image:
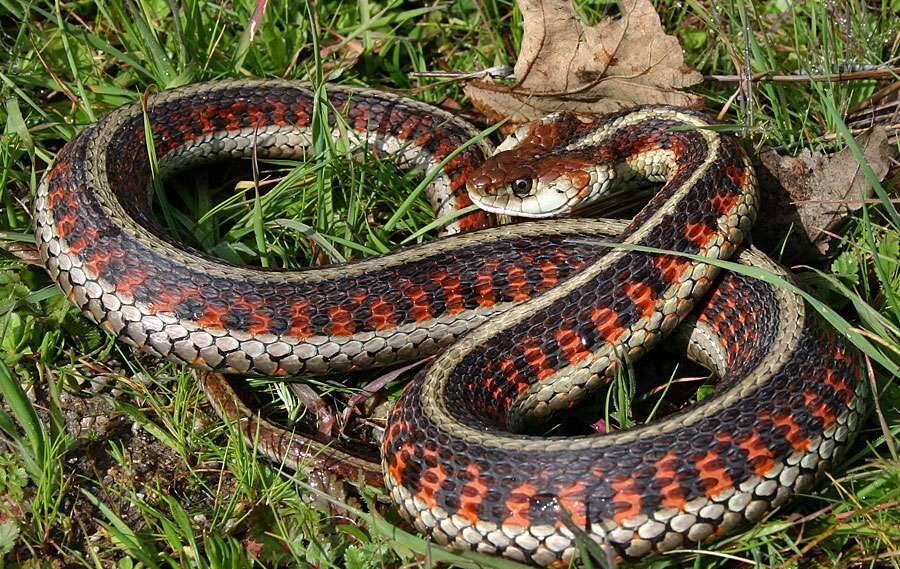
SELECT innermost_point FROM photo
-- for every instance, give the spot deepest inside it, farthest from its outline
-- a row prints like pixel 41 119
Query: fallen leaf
pixel 566 65
pixel 804 198
pixel 340 55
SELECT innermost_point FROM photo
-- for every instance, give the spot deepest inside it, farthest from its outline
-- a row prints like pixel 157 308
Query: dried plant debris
pixel 566 65
pixel 882 108
pixel 805 197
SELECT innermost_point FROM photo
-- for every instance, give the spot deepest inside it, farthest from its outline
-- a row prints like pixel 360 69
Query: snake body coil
pixel 534 315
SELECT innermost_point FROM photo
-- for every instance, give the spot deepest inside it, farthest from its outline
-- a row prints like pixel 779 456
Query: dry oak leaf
pixel 565 65
pixel 806 197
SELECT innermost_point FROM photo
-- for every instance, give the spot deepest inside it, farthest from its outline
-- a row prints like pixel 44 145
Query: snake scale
pixel 526 319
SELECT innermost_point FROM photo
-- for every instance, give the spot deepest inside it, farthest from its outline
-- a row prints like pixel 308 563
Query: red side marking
pixel 300 324
pixel 259 323
pixel 421 307
pixel 723 202
pixel 627 501
pixel 233 115
pixel 430 483
pixel 517 283
pixel 642 295
pixel 699 233
pixel 278 114
pixel 448 144
pixel 131 280
pixel 645 143
pixel 79 244
pixel 258 119
pixel 842 355
pixel 737 175
pixel 341 321
pixel 484 285
pixel 394 429
pixel 758 454
pixel 203 117
pixel 711 470
pixel 302 112
pixel 572 345
pixel 671 267
pixel 57 169
pixel 397 463
pixel 511 374
pixel 430 455
pixel 408 127
pixel 572 498
pixel 361 122
pixel 169 299
pixel 457 185
pixel 485 288
pixel 818 408
pixel 472 494
pixel 167 140
pixel 795 434
pixel 99 259
pixel 518 504
pixel 678 148
pixel 549 275
pixel 184 129
pixel 452 290
pixel 165 302
pixel 57 192
pixel 54 194
pixel 666 476
pixel 423 139
pixel 607 322
pixel 382 315
pixel 537 359
pixel 65 224
pixel 89 236
pixel 474 220
pixel 839 384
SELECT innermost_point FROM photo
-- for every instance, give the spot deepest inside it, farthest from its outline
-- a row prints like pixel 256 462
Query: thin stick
pixel 803 77
pixel 882 422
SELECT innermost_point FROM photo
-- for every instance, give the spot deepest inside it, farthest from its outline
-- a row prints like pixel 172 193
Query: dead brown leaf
pixel 341 55
pixel 565 65
pixel 805 197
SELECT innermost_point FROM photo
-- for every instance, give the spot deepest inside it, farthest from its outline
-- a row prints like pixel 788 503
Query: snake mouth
pixel 534 206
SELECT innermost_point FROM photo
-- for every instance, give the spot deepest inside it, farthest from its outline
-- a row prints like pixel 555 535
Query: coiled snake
pixel 526 318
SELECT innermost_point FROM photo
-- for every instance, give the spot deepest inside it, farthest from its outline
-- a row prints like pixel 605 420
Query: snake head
pixel 533 174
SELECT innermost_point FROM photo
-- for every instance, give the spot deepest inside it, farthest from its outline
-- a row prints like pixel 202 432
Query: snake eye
pixel 521 187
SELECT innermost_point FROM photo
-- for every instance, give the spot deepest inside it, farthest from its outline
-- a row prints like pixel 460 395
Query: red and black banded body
pixel 530 317
pixel 654 488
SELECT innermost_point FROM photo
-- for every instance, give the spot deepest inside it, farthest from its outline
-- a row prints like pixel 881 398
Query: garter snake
pixel 526 319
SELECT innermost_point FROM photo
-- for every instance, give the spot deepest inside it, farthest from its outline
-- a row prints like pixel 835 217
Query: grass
pixel 154 480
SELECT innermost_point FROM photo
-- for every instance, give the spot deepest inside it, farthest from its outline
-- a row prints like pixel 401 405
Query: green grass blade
pixel 121 532
pixel 407 203
pixel 24 412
